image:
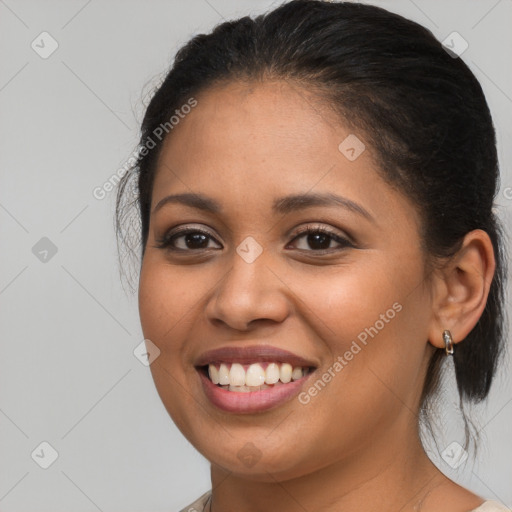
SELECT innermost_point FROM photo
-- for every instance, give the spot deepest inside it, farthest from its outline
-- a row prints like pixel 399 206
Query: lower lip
pixel 253 401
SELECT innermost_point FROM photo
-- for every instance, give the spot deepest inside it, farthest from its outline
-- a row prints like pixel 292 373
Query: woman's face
pixel 353 303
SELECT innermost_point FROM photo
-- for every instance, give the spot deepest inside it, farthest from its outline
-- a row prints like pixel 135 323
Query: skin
pixel 356 442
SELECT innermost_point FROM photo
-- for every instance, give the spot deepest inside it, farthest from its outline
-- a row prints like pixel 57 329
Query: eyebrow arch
pixel 295 202
pixel 197 201
pixel 282 205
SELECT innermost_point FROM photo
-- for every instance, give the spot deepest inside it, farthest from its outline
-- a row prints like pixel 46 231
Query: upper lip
pixel 251 354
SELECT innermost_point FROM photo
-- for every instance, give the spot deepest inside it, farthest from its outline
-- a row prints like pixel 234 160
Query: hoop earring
pixel 448 342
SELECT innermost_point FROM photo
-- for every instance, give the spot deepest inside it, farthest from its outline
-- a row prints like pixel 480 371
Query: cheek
pixel 373 320
pixel 347 301
pixel 166 300
pixel 167 297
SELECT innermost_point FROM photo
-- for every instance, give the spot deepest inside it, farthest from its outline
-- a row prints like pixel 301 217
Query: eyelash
pixel 166 241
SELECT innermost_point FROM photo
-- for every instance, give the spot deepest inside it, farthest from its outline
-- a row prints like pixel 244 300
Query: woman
pixel 315 189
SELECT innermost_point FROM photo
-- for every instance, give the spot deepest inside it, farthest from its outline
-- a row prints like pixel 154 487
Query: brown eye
pixel 192 240
pixel 320 239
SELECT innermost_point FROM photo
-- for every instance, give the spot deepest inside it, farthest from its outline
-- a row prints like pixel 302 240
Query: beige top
pixel 486 506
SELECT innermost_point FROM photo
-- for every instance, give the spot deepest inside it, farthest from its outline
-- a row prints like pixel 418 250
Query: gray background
pixel 68 374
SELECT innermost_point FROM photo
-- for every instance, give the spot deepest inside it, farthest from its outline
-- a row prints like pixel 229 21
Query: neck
pixel 394 475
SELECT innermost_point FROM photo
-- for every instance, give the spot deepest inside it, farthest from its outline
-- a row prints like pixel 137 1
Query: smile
pixel 248 399
pixel 252 378
pixel 237 377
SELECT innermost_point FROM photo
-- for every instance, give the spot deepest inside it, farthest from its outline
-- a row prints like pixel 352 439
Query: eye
pixel 320 238
pixel 192 239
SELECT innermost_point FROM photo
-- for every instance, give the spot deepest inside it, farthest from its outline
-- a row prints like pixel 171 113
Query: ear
pixel 461 288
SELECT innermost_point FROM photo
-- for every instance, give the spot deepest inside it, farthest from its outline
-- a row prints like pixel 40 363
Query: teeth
pixel 240 389
pixel 236 378
pixel 213 373
pixel 246 389
pixel 237 375
pixel 285 375
pixel 297 373
pixel 255 375
pixel 272 373
pixel 223 374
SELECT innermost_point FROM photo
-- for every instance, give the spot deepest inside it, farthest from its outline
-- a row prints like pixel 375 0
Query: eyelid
pixel 343 240
pixel 317 226
pixel 164 241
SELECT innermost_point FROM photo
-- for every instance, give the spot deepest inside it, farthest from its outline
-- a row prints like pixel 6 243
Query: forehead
pixel 252 142
pixel 256 119
pixel 255 128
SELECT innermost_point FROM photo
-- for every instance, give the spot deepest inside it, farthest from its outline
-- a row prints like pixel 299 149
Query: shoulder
pixel 491 506
pixel 449 495
pixel 199 504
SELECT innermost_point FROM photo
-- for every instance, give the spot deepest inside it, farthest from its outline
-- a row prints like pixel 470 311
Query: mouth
pixel 252 379
pixel 249 378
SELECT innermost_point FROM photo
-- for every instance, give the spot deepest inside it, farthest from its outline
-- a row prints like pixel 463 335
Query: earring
pixel 448 341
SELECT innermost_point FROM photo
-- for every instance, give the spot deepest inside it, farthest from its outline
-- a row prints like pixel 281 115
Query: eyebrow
pixel 282 205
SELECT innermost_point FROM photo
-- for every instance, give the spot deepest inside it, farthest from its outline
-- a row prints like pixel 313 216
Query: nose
pixel 249 294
